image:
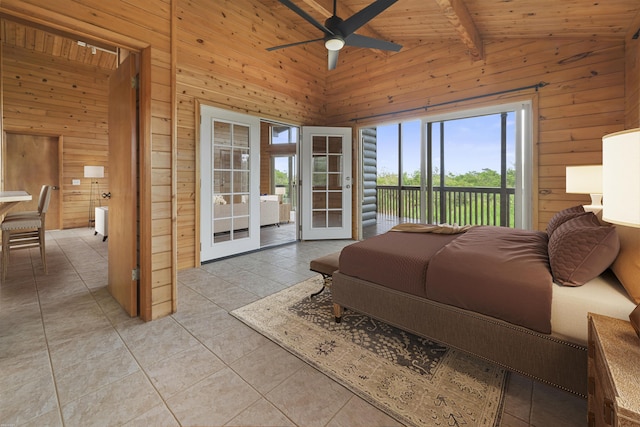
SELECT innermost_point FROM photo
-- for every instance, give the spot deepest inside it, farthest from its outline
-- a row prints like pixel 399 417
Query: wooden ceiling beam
pixel 323 7
pixel 458 15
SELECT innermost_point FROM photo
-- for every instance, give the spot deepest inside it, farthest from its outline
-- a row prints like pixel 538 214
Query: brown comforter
pixel 496 271
pixel 395 260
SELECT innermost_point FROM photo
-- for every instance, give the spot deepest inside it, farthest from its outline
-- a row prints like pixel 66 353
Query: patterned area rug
pixel 414 380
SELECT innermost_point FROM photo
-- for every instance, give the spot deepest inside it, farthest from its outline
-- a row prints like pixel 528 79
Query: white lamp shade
pixel 94 171
pixel 584 179
pixel 621 178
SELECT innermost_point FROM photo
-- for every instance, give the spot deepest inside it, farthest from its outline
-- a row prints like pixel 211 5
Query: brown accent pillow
pixel 581 249
pixel 627 264
pixel 563 216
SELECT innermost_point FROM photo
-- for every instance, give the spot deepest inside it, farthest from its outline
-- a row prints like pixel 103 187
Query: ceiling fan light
pixel 334 43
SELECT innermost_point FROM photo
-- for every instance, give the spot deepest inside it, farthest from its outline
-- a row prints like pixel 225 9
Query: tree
pixel 484 178
pixel 280 177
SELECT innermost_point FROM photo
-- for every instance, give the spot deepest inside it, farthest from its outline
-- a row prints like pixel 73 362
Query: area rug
pixel 412 379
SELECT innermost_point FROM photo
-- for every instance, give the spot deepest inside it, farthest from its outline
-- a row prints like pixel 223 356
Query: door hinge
pixel 134 82
pixel 135 274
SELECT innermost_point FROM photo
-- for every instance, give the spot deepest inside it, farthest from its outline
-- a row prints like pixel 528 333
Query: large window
pixel 470 167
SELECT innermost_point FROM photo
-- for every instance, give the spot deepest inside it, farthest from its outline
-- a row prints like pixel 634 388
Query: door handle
pixel 106 195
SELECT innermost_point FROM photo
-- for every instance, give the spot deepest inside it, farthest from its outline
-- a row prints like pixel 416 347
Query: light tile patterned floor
pixel 70 356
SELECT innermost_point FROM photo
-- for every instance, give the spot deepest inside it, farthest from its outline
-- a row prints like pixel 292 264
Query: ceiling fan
pixel 339 32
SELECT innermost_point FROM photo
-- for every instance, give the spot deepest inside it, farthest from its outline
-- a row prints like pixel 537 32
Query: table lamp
pixel 586 180
pixel 621 186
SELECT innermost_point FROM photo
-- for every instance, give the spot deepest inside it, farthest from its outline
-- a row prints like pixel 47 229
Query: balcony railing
pixel 453 205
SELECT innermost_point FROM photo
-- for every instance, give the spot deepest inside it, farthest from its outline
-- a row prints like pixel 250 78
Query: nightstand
pixel 614 373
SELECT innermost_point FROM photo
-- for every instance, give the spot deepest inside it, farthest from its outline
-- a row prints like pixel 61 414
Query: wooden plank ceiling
pixel 470 22
pixel 407 22
pixel 57 44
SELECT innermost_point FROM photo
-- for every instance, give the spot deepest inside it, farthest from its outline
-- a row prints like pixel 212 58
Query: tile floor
pixel 70 356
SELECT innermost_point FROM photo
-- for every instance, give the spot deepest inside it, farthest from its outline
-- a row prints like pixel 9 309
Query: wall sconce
pixel 586 180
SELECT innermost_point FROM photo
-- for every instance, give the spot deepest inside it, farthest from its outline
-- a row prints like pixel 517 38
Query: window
pixel 473 170
pixel 467 167
pixel 284 135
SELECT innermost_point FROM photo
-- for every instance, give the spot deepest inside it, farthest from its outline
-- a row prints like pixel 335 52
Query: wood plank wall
pixel 223 66
pixel 137 25
pixel 265 158
pixel 583 101
pixel 48 95
pixel 632 81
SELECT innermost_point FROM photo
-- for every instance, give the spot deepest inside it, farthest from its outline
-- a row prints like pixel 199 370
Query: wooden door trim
pixel 144 175
pixel 197 258
pixel 60 183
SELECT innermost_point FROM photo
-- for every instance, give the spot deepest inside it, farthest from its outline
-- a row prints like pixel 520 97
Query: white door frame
pixel 209 249
pixel 308 230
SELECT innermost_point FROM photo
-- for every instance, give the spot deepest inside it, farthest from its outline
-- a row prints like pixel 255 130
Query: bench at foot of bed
pixel 325 265
pixel 337 312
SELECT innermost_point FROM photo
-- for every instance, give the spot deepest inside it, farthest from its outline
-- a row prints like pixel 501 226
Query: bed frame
pixel 545 358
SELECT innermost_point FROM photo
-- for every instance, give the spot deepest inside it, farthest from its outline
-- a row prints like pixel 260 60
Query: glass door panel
pixel 231 210
pixel 327 183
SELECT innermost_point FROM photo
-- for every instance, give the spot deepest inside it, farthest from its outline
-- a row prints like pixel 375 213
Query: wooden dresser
pixel 614 373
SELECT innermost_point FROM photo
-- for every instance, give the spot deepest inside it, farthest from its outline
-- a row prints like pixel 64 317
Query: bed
pixel 514 297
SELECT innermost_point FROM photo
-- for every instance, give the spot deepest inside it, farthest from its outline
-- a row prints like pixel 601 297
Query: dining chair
pixel 41 199
pixel 25 231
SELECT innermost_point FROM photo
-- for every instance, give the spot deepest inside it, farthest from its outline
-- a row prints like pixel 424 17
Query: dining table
pixel 8 199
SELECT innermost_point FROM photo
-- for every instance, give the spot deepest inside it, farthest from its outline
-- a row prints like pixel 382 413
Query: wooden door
pixel 123 213
pixel 31 161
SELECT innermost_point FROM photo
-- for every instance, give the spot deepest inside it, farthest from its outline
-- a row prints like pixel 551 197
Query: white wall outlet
pixel 75 182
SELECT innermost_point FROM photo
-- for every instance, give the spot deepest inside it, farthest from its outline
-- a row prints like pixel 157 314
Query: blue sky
pixel 471 144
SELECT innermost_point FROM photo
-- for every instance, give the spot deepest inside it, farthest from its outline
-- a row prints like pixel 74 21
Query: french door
pixel 326 183
pixel 229 167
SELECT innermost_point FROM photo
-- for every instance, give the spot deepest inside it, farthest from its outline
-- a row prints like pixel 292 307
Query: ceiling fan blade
pixel 357 40
pixel 307 17
pixel 293 44
pixel 332 59
pixel 356 21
